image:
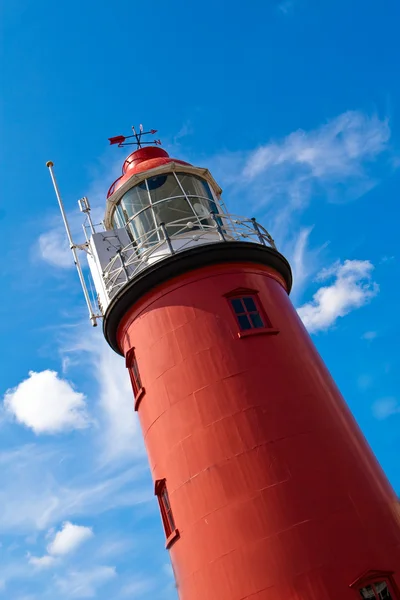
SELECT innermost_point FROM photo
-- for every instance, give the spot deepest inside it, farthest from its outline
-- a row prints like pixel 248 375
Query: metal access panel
pixel 105 263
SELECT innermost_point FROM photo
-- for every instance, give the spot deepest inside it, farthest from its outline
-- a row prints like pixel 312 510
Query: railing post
pixel 167 238
pixel 258 232
pixel 123 264
pixel 219 229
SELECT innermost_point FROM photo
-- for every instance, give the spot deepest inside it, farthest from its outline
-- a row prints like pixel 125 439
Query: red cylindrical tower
pixel 266 486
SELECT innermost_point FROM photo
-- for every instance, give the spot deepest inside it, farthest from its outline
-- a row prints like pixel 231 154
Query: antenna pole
pixel 72 246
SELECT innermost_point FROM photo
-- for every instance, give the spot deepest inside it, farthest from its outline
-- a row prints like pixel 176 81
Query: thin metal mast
pixel 92 316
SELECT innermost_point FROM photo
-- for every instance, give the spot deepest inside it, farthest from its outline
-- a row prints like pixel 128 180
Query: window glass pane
pixel 117 221
pixel 195 186
pixel 256 320
pixel 174 210
pixel 166 511
pixel 165 499
pixel 141 226
pixel 200 197
pixel 367 592
pixel 244 322
pixel 250 304
pixel 203 208
pixel 237 305
pixel 163 186
pixel 120 217
pixel 136 374
pixel 171 522
pixel 382 590
pixel 134 200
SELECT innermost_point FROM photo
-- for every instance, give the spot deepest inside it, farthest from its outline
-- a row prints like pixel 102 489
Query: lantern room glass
pixel 174 199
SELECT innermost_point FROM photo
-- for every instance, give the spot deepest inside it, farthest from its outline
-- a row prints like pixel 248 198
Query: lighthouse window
pixel 165 507
pixel 134 374
pixel 248 313
pixel 376 591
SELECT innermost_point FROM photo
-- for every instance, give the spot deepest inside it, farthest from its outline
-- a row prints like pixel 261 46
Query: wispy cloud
pixel 41 562
pixel 365 381
pixel 115 546
pixel 386 407
pixel 54 248
pixel 47 404
pixel 286 7
pixel 43 494
pixel 369 335
pixel 330 160
pixel 120 431
pixel 136 588
pixel 85 583
pixel 351 288
pixel 184 131
pixel 333 151
pixel 301 259
pixel 334 162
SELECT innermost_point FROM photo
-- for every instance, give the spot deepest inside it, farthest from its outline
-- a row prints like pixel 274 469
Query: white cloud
pixel 69 538
pixel 65 541
pixel 47 404
pixel 84 584
pixel 386 407
pixel 352 287
pixel 41 562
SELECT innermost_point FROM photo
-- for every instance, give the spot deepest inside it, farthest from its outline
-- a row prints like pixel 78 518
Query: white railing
pixel 177 236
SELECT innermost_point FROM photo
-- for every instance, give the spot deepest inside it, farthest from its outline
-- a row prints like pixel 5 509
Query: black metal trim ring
pixel 181 262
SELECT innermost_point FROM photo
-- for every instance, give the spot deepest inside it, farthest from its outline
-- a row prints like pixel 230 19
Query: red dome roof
pixel 142 160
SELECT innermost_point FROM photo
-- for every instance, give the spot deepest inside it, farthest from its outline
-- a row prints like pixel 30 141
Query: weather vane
pixel 121 139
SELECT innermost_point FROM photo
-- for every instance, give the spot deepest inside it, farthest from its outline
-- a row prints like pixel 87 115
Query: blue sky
pixel 293 106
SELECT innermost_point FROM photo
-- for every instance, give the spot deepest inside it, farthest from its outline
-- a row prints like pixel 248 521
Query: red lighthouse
pixel 266 486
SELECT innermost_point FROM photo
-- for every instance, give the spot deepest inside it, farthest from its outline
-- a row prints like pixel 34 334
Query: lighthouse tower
pixel 266 486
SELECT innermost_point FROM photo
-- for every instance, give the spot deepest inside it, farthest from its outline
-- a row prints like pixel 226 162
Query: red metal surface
pixel 142 160
pixel 274 490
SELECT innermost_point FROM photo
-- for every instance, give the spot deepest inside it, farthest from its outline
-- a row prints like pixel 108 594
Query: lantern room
pixel 158 207
pixel 173 198
pixel 155 189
